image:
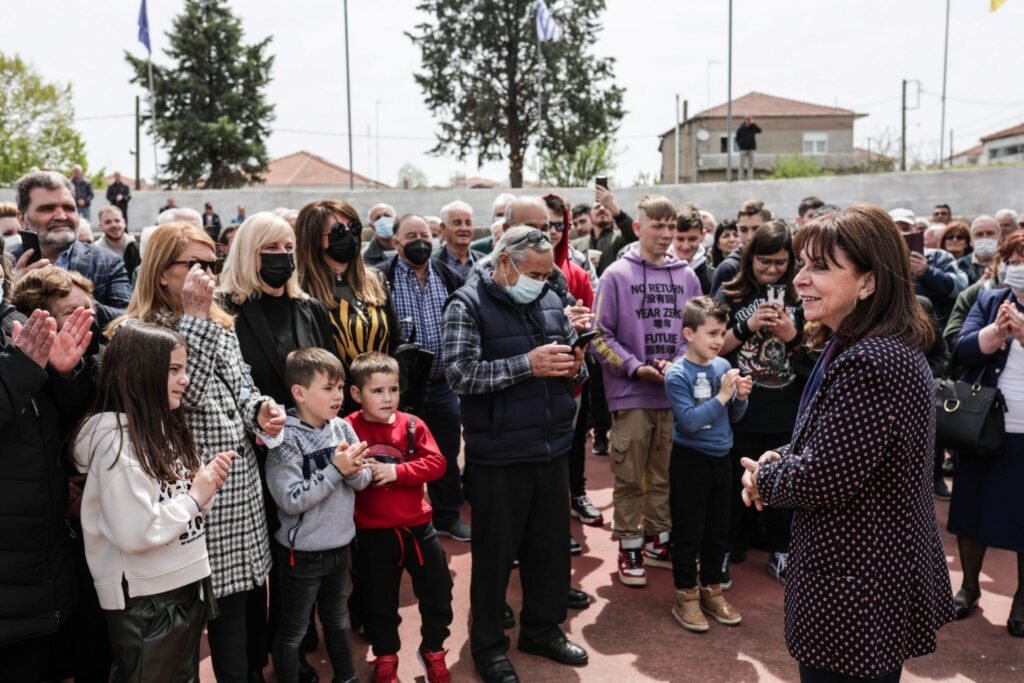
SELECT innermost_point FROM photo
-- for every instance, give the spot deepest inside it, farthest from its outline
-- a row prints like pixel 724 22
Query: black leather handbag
pixel 969 417
pixel 414 363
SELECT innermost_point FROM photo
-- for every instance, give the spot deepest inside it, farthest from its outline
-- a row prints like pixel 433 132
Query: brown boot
pixel 687 611
pixel 714 603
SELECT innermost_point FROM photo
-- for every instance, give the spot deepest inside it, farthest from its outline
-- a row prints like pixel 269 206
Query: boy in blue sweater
pixel 706 396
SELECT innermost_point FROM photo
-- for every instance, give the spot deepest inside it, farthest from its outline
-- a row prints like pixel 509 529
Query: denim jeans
pixel 320 577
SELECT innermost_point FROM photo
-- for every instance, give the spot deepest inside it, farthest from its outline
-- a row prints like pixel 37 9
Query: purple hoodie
pixel 639 311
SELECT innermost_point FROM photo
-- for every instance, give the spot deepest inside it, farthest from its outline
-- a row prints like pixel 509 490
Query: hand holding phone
pixel 584 339
pixel 30 240
pixel 601 181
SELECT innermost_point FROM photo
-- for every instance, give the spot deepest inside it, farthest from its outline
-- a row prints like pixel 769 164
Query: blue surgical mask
pixel 526 289
pixel 385 227
pixel 12 242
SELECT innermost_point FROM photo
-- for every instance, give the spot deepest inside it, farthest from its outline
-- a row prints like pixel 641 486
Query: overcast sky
pixel 850 53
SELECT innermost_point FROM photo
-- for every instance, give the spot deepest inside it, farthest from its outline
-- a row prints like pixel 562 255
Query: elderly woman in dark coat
pixel 868 586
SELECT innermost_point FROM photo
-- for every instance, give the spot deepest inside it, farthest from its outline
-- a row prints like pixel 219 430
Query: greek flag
pixel 144 28
pixel 547 29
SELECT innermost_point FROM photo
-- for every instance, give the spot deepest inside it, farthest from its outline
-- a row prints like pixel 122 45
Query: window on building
pixel 815 143
pixel 1008 150
pixel 723 142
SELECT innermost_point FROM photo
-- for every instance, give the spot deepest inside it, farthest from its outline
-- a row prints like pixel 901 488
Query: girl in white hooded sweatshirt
pixel 143 507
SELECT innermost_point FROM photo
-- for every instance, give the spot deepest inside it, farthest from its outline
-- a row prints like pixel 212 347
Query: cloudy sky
pixel 850 53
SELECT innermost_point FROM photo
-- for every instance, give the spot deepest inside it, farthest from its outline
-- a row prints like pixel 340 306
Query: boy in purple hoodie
pixel 639 311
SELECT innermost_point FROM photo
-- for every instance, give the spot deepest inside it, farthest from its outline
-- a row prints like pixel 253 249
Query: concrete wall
pixel 968 191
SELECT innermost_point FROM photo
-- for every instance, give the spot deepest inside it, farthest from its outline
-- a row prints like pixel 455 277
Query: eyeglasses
pixel 958 238
pixel 770 262
pixel 214 266
pixel 557 225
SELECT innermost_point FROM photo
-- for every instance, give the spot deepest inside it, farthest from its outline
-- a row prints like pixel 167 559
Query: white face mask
pixel 1014 279
pixel 12 242
pixel 985 248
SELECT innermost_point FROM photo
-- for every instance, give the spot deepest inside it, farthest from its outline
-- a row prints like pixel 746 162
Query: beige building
pixel 789 127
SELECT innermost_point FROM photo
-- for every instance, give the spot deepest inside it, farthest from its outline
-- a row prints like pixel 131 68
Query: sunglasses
pixel 354 227
pixel 214 266
pixel 534 237
pixel 557 225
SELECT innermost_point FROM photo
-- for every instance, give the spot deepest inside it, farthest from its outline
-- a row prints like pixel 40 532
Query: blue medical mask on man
pixel 384 227
pixel 526 289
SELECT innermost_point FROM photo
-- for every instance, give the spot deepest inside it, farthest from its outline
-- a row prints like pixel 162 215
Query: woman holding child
pixel 867 586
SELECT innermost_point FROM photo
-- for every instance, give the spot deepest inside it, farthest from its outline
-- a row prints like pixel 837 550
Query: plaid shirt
pixel 453 262
pixel 419 309
pixel 112 289
pixel 466 373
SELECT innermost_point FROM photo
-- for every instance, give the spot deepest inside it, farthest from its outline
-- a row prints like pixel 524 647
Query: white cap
pixel 903 216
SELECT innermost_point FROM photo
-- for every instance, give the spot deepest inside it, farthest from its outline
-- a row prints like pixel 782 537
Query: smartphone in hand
pixel 584 339
pixel 776 295
pixel 30 240
pixel 601 181
pixel 915 242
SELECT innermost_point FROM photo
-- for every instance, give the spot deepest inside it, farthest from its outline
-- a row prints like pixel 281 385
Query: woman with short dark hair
pixel 868 586
pixel 956 239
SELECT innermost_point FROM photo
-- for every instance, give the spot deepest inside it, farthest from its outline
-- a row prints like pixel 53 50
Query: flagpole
pixel 945 63
pixel 152 111
pixel 348 98
pixel 728 116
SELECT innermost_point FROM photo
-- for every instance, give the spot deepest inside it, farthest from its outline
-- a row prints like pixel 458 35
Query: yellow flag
pixel 996 4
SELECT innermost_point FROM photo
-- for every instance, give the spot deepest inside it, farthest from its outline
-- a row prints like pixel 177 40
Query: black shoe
pixel 561 650
pixel 574 546
pixel 457 530
pixel 963 602
pixel 498 670
pixel 1015 624
pixel 307 674
pixel 941 489
pixel 577 599
pixel 508 617
pixel 600 446
pixel 737 555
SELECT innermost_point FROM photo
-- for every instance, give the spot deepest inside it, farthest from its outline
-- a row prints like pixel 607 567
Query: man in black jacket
pixel 44 391
pixel 746 140
pixel 606 216
pixel 119 194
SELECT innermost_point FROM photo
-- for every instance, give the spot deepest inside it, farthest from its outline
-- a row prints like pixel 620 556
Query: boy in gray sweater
pixel 314 468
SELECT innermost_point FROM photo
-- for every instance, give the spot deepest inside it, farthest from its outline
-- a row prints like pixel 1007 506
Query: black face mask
pixel 276 269
pixel 342 242
pixel 418 252
pixel 97 339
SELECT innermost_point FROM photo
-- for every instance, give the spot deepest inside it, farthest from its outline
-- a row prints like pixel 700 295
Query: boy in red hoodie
pixel 393 529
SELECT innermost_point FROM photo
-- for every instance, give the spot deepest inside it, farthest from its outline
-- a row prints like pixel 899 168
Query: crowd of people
pixel 255 427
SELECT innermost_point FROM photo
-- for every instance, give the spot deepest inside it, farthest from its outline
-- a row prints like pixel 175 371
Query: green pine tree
pixel 483 78
pixel 36 123
pixel 212 114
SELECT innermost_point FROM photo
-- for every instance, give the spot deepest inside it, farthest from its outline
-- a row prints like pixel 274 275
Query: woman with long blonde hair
pixel 175 288
pixel 331 269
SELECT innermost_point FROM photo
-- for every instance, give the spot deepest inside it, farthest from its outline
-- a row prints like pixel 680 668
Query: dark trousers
pixel 383 554
pixel 600 418
pixel 577 452
pixel 316 577
pixel 811 675
pixel 156 637
pixel 237 635
pixel 699 491
pixel 440 412
pixel 747 524
pixel 26 660
pixel 518 511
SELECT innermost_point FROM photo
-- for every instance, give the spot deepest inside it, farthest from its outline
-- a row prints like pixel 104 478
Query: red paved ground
pixel 631 636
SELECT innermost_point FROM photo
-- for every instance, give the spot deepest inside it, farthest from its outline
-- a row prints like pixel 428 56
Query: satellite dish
pixel 703 135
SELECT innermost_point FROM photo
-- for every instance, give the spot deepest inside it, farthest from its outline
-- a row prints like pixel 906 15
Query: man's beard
pixel 57 237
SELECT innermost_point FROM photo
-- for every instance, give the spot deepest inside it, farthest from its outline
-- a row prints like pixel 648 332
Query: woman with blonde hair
pixel 331 270
pixel 175 289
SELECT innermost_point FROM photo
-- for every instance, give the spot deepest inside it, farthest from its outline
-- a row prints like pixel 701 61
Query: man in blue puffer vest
pixel 508 353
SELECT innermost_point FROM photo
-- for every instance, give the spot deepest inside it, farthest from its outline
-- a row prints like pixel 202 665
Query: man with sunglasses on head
pixel 46 206
pixel 508 351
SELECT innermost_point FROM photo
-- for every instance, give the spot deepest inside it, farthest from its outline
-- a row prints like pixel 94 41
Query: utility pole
pixel 728 115
pixel 138 159
pixel 686 117
pixel 903 128
pixel 950 146
pixel 675 138
pixel 348 97
pixel 945 64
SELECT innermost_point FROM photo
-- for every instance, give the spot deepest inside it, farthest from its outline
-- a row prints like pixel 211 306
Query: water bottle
pixel 702 388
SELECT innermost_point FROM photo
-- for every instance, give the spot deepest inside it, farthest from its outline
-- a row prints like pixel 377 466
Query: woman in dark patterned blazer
pixel 868 586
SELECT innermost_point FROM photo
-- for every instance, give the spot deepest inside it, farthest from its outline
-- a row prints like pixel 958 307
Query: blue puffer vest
pixel 531 421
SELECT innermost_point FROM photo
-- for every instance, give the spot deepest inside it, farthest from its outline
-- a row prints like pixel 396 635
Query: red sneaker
pixel 385 669
pixel 433 664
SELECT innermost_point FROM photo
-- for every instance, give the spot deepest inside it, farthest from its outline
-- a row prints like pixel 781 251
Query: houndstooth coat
pixel 223 403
